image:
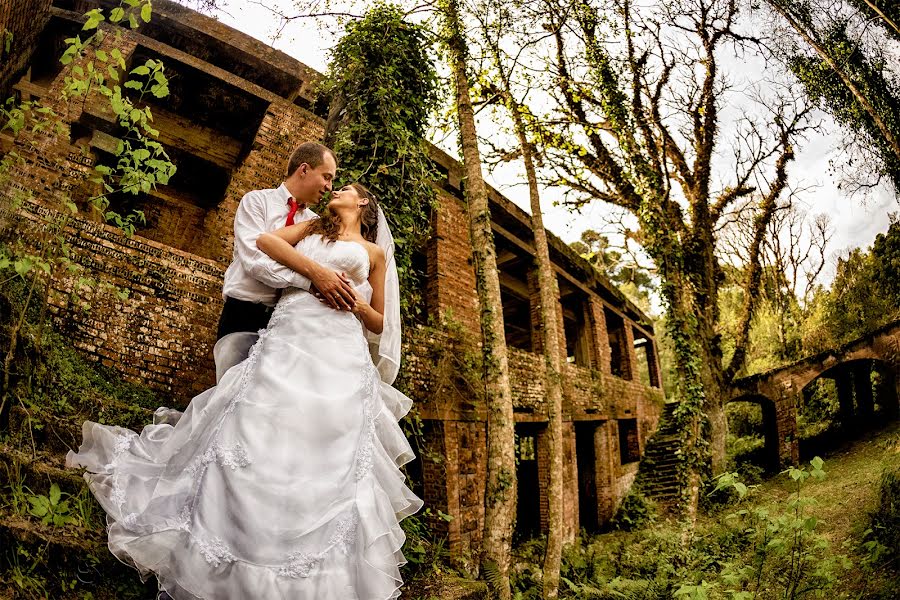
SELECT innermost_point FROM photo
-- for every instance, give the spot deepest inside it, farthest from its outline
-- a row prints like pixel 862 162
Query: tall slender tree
pixel 500 493
pixel 494 20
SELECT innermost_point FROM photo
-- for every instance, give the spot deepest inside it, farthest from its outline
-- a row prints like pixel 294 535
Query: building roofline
pixel 561 253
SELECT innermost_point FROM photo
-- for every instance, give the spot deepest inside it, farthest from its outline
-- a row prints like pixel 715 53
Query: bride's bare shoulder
pixel 376 253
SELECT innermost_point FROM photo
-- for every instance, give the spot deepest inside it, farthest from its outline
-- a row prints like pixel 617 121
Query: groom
pixel 253 280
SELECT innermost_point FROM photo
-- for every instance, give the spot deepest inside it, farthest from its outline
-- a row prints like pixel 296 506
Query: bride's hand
pixel 359 306
pixel 333 288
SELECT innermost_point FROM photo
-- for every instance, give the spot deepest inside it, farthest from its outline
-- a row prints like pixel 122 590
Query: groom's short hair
pixel 311 153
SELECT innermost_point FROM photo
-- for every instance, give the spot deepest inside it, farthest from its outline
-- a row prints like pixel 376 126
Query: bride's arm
pixel 279 245
pixel 372 313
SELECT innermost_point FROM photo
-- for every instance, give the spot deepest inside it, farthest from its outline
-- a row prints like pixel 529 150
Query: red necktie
pixel 290 218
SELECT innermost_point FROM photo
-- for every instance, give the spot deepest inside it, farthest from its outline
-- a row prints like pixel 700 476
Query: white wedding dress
pixel 282 481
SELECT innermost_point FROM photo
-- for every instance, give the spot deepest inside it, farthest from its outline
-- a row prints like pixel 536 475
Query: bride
pixel 282 481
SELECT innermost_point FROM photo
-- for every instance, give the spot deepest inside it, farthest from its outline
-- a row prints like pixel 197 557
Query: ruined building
pixel 236 110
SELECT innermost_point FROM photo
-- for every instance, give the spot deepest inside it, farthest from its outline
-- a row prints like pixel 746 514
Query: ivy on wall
pixel 381 87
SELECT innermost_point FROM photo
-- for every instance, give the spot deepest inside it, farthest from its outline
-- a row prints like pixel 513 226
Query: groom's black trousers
pixel 240 315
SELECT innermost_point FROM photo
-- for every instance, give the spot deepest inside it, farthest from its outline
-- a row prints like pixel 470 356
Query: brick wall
pixel 283 128
pixel 454 283
pixel 161 334
pixel 24 20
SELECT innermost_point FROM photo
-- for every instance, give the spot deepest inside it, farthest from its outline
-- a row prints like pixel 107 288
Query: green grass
pixel 850 490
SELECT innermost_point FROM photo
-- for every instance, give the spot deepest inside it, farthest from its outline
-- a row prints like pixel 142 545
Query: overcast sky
pixel 856 223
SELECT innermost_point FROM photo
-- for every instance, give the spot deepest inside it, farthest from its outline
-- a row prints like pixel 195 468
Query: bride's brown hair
pixel 328 224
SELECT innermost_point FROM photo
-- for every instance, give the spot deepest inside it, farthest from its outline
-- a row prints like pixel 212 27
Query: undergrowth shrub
pixel 636 511
pixel 884 521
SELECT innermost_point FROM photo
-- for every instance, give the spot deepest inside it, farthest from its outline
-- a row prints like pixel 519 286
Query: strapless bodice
pixel 342 256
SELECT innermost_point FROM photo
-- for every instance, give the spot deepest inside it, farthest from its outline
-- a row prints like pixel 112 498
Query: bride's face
pixel 345 198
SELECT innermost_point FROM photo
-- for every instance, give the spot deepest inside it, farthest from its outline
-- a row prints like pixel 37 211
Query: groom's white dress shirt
pixel 253 276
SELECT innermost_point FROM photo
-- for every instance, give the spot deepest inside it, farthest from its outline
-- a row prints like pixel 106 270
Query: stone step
pixel 37 473
pixel 66 563
pixel 55 434
pixel 661 453
pixel 661 483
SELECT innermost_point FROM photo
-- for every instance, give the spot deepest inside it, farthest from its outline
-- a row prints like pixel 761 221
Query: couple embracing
pixel 283 480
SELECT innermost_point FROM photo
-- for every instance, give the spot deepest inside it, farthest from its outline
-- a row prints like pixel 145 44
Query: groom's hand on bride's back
pixel 333 289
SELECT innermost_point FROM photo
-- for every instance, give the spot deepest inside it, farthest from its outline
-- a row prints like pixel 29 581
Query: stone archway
pixel 866 392
pixel 866 371
pixel 771 456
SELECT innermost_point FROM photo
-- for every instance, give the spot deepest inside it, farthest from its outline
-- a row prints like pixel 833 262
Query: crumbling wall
pixel 21 22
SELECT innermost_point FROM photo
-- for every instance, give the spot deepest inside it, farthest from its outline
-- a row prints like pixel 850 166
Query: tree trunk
pixel 500 492
pixel 549 291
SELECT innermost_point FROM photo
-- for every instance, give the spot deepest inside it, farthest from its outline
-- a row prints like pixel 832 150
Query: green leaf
pixel 102 56
pixel 141 70
pixel 146 12
pixel 23 266
pixel 55 494
pixel 133 85
pixel 817 463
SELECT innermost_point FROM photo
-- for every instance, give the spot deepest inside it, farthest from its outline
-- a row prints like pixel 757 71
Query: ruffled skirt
pixel 283 481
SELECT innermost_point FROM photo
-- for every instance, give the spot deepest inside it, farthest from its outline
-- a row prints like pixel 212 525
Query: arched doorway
pixel 844 401
pixel 753 431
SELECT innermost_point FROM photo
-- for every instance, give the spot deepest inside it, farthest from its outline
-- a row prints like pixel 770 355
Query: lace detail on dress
pixel 215 552
pixel 345 535
pixel 233 457
pixel 184 519
pixel 365 455
pixel 301 564
pixel 122 445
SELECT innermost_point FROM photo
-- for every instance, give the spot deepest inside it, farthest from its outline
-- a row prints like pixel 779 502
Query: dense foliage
pixel 842 61
pixel 381 88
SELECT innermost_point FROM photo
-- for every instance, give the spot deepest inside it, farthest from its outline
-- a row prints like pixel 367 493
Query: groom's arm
pixel 249 224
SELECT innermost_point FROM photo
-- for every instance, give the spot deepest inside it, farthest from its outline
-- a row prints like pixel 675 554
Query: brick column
pixel 570 484
pixel 434 473
pixel 454 281
pixel 471 444
pixel 862 384
pixel 786 419
pixel 596 322
pixel 629 354
pixel 604 450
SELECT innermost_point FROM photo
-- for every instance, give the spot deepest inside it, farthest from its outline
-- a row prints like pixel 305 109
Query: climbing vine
pixel 381 87
pixel 96 70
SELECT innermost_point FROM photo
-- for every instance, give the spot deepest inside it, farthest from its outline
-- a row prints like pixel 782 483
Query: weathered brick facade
pixel 237 109
pixel 21 22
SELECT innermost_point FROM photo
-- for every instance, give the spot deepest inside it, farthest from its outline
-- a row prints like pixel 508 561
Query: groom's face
pixel 316 182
